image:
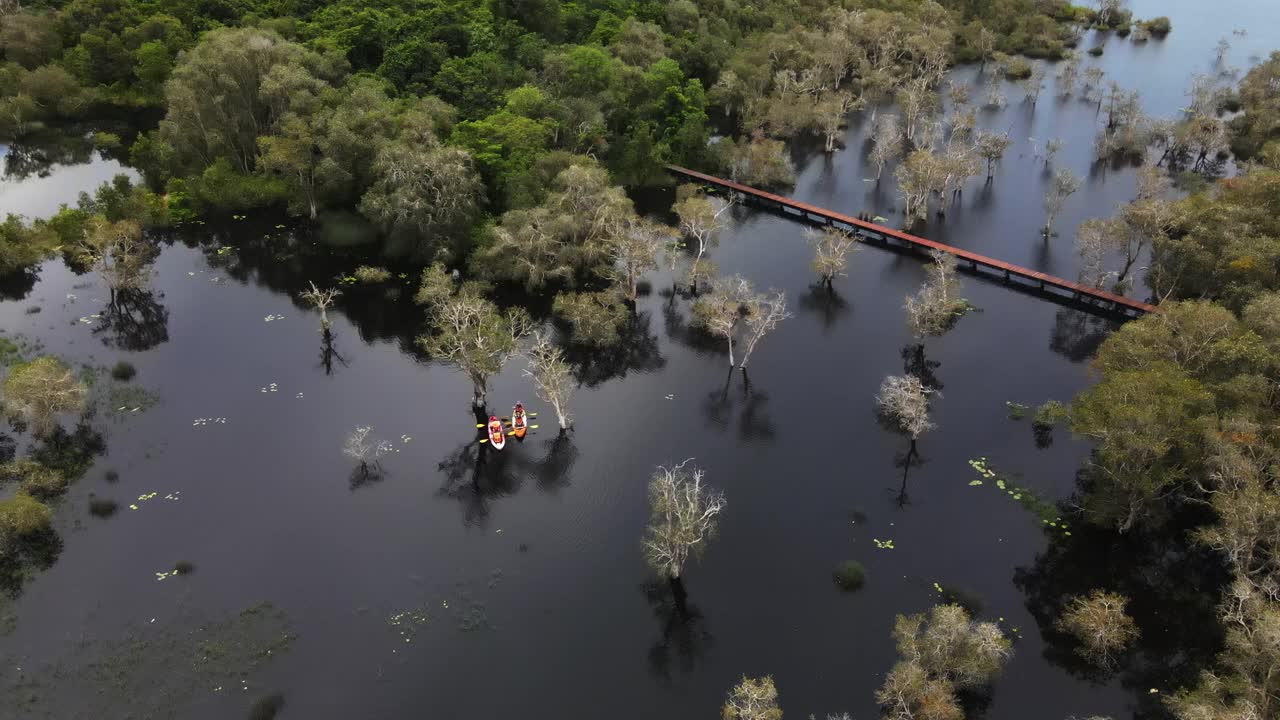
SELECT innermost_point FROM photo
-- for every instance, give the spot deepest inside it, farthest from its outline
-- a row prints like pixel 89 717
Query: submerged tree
pixel 321 300
pixel 469 331
pixel 1064 184
pixel 596 318
pixel 831 250
pixel 118 252
pixel 552 376
pixel 752 699
pixel 38 390
pixel 634 253
pixel 1100 624
pixel 904 400
pixel 764 312
pixel 365 449
pixel 682 517
pixel 991 147
pixel 937 306
pixel 942 653
pixel 701 219
pixel 720 311
pixel 886 143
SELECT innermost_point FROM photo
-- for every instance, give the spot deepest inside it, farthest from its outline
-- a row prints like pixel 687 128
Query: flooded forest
pixel 367 359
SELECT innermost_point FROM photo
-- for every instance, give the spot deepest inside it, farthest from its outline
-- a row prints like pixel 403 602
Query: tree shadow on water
pixel 1078 334
pixel 916 364
pixel 635 351
pixel 684 639
pixel 826 304
pixel 1173 595
pixel 134 320
pixel 750 408
pixel 328 353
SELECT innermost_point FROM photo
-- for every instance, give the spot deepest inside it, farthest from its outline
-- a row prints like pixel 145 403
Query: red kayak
pixel 519 425
pixel 497 437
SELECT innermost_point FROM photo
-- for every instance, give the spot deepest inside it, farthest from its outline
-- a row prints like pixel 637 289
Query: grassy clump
pixel 849 575
pixel 1158 26
pixel 370 275
pixel 22 516
pixel 123 371
pixel 1049 414
pixel 1095 51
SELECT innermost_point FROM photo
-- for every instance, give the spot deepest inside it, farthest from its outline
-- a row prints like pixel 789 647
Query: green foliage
pixel 1260 97
pixel 22 516
pixel 1158 26
pixel 1049 414
pixel 370 275
pixel 849 575
pixel 1224 245
pixel 34 479
pixel 595 318
pixel 22 245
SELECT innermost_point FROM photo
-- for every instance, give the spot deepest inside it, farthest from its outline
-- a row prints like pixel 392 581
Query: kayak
pixel 497 437
pixel 519 425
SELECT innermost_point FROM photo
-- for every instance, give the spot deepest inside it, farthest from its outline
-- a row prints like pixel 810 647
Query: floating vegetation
pixel 1046 511
pixel 1017 411
pixel 272 318
pixel 130 399
pixel 148 497
pixel 270 388
pixel 17 349
pixel 156 671
pixel 407 623
pixel 883 544
pixel 199 422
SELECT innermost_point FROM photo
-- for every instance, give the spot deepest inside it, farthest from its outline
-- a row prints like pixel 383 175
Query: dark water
pixel 533 587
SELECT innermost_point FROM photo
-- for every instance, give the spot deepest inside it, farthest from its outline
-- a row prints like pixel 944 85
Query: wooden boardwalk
pixel 1093 297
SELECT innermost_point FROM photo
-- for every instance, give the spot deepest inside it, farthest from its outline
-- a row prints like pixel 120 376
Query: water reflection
pixel 684 639
pixel 328 353
pixel 826 304
pixel 134 320
pixel 16 285
pixel 916 364
pixel 1170 584
pixel 1077 334
pixel 36 155
pixel 636 351
pixel 753 422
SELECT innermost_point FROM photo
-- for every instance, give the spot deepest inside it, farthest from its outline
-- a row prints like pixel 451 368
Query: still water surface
pixel 527 573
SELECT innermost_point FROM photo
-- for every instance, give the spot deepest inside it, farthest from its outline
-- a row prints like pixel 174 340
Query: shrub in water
pixel 1095 51
pixel 849 575
pixel 370 274
pixel 1158 26
pixel 123 371
pixel 102 507
pixel 22 516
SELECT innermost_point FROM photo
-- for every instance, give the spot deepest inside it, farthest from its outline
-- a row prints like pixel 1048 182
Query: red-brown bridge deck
pixel 1118 303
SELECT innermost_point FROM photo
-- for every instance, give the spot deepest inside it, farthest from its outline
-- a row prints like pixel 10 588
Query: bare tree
pixel 1101 624
pixel 720 311
pixel 1093 83
pixel 682 517
pixel 937 306
pixel 321 300
pixel 118 252
pixel 918 176
pixel 1032 85
pixel 38 390
pixel 365 449
pixel 831 114
pixel 1064 184
pixel 887 143
pixel 831 250
pixel 635 252
pixel 470 332
pixel 701 218
pixel 764 312
pixel 1068 76
pixel 1052 147
pixel 1221 49
pixel 905 400
pixel 752 699
pixel 991 147
pixel 552 376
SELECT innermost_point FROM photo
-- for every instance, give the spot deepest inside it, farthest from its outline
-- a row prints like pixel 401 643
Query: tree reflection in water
pixel 37 154
pixel 754 423
pixel 328 353
pixel 1078 334
pixel 635 351
pixel 916 364
pixel 685 638
pixel 134 320
pixel 826 304
pixel 16 285
pixel 1173 590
